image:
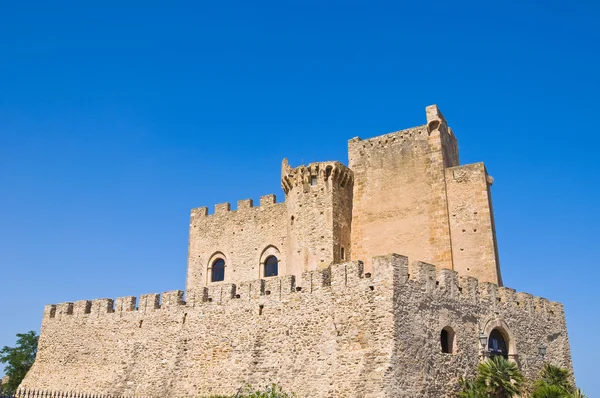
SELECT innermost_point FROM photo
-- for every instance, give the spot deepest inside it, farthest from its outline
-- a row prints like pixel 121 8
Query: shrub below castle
pixel 270 391
pixel 499 378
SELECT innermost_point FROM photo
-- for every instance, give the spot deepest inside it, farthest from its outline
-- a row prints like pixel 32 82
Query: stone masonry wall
pixel 473 235
pixel 345 333
pixel 401 200
pixel 427 300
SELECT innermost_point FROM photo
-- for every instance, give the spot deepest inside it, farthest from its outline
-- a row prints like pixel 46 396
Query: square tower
pixel 412 197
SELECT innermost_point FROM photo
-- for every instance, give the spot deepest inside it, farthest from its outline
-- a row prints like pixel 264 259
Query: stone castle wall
pixel 333 332
pixel 472 230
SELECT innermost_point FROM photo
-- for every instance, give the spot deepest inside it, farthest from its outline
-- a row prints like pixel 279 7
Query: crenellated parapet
pixel 117 307
pixel 388 140
pixel 242 206
pixel 391 272
pixel 314 174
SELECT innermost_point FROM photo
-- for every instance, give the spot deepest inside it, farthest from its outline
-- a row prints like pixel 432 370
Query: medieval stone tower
pixel 319 214
pixel 309 292
pixel 411 196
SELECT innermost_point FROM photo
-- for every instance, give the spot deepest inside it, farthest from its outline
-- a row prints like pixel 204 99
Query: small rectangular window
pixel 313 180
pixel 342 254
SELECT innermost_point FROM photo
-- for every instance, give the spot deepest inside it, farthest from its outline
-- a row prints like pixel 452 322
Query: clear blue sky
pixel 116 120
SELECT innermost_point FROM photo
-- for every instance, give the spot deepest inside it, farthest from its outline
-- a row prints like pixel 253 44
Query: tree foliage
pixel 555 382
pixel 500 378
pixel 497 377
pixel 18 360
pixel 270 391
pixel 470 389
pixel 555 377
pixel 549 391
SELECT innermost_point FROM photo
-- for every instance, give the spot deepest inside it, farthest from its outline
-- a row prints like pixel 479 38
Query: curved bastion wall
pixel 337 331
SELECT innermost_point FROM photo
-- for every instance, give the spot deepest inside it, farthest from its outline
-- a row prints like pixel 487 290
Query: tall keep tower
pixel 411 196
pixel 319 210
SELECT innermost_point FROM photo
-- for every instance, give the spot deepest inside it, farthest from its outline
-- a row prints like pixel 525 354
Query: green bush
pixel 18 360
pixel 270 391
pixel 500 378
pixel 555 382
pixel 496 378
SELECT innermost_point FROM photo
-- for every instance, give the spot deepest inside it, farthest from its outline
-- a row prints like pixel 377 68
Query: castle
pixel 310 294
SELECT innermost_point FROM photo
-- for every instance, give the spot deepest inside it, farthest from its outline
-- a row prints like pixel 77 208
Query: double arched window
pixel 270 265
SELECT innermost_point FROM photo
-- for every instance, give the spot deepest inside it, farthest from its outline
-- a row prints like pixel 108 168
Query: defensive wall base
pixel 337 332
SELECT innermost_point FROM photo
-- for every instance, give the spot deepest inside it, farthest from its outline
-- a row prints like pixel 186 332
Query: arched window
pixel 271 262
pixel 218 270
pixel 271 266
pixel 447 340
pixel 497 344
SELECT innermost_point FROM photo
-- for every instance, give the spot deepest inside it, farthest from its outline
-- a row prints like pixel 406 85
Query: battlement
pixel 395 137
pixel 242 205
pixel 435 121
pixel 118 306
pixel 314 175
pixel 392 272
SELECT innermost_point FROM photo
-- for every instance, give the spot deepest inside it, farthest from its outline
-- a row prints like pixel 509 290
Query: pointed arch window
pixel 497 344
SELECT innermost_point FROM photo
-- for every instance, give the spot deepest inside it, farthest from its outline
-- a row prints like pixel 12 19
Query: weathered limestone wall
pixel 344 334
pixel 427 300
pixel 401 199
pixel 241 237
pixel 472 222
pixel 342 218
